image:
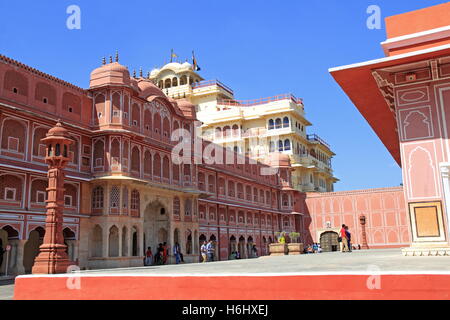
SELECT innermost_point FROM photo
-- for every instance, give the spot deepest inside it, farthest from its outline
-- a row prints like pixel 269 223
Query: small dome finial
pixel 110 59
pixel 148 75
pixel 117 55
pixel 103 61
pixel 140 72
pixel 134 73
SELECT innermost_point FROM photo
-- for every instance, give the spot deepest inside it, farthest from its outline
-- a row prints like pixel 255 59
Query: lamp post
pixel 362 221
pixel 52 257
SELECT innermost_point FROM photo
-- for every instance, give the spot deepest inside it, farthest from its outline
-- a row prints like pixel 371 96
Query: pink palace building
pixel 124 192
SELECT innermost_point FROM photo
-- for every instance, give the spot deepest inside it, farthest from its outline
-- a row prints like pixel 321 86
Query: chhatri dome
pixel 110 74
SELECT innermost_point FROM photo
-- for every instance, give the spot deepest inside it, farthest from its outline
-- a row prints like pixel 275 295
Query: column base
pixel 45 266
pixel 52 259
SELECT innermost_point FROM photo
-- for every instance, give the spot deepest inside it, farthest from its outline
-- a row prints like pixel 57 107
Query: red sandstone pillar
pixel 362 221
pixel 52 257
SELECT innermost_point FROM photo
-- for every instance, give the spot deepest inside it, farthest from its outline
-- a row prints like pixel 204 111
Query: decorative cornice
pixel 47 76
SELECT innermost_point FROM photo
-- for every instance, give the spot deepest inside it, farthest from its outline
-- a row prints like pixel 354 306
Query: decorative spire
pixel 148 75
pixel 117 55
pixel 134 73
pixel 140 73
pixel 110 59
pixel 104 61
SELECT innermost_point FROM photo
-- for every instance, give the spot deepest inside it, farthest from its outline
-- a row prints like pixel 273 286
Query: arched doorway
pixel 96 242
pixel 69 241
pixel 134 242
pixel 214 244
pixel 232 246
pixel 8 236
pixel 329 241
pixel 189 244
pixel 156 225
pixel 31 248
pixel 113 242
pixel 241 247
pixel 250 253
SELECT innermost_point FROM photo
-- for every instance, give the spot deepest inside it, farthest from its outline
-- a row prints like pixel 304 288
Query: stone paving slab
pixel 389 260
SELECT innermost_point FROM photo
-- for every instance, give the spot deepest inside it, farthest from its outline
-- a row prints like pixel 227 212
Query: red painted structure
pixel 258 287
pixel 387 224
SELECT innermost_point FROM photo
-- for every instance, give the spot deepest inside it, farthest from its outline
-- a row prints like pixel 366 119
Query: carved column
pixel 53 257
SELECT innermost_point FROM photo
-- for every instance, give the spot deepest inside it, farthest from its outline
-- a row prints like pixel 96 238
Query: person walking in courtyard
pixel 255 251
pixel 165 253
pixel 343 236
pixel 203 251
pixel 177 252
pixel 159 254
pixel 148 257
pixel 210 251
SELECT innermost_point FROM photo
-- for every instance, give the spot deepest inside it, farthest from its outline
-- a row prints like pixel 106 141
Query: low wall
pixel 387 222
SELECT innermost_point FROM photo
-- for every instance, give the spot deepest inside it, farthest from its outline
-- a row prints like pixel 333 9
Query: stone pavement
pixel 6 289
pixel 389 260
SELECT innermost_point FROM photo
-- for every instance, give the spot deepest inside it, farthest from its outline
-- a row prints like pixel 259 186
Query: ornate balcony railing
pixel 255 102
pixel 208 83
pixel 316 138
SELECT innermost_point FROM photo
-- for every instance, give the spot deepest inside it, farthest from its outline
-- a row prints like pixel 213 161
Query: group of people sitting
pixel 252 254
pixel 162 254
pixel 313 248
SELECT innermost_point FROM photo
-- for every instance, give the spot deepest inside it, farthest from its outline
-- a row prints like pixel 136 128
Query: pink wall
pixel 387 220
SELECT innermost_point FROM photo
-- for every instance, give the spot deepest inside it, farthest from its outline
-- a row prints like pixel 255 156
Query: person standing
pixel 203 251
pixel 343 235
pixel 176 252
pixel 148 257
pixel 210 250
pixel 165 253
pixel 349 239
pixel 255 251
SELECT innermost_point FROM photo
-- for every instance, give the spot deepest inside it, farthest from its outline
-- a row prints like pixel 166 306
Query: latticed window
pixel 176 206
pixel 125 198
pixel 97 198
pixel 135 200
pixel 114 197
pixel 188 207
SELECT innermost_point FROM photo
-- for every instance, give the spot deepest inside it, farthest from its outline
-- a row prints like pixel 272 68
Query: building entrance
pixel 329 241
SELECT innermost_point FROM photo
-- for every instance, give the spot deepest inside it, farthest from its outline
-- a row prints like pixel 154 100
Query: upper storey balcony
pixel 214 87
pixel 315 139
pixel 265 105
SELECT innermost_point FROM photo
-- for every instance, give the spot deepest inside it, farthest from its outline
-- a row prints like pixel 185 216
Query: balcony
pixel 261 101
pixel 314 138
pixel 208 86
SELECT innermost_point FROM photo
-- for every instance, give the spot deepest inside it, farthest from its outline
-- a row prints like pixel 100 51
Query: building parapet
pixel 316 138
pixel 255 102
pixel 354 192
pixel 208 83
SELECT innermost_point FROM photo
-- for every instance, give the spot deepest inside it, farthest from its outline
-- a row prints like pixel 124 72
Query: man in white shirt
pixel 203 251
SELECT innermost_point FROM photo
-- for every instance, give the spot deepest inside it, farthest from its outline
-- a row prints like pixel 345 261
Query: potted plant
pixel 279 248
pixel 295 247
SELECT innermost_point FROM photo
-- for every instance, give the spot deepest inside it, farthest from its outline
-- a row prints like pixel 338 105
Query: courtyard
pixel 384 261
pixel 369 262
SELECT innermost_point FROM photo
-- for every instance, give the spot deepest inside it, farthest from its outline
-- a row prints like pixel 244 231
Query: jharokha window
pixel 135 199
pixel 176 206
pixel 97 198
